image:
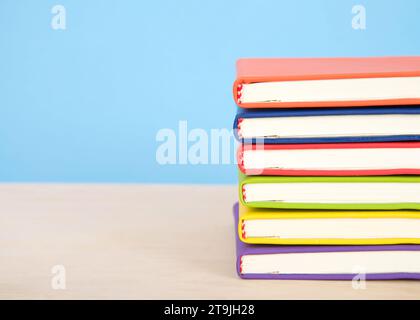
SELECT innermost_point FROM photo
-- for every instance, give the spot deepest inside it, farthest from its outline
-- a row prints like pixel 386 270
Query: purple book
pixel 381 262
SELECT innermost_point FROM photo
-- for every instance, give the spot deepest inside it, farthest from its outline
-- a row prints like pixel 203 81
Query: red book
pixel 341 159
pixel 327 82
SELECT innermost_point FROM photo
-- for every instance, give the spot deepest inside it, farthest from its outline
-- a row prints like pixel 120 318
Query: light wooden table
pixel 139 242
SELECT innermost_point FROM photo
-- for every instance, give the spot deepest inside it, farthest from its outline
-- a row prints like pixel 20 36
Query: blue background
pixel 84 104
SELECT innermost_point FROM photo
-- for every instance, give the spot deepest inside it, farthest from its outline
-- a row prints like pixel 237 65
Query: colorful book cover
pixel 326 82
pixel 331 193
pixel 384 262
pixel 330 159
pixel 317 227
pixel 340 125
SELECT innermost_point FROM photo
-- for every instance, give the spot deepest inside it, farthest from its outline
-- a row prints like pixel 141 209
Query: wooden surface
pixel 140 242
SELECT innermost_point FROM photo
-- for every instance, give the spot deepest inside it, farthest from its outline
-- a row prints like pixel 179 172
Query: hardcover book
pixel 334 159
pixel 333 125
pixel 326 82
pixel 317 227
pixel 329 193
pixel 326 262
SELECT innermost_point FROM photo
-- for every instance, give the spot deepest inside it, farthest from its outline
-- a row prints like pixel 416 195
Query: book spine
pixel 239 128
pixel 239 89
pixel 243 230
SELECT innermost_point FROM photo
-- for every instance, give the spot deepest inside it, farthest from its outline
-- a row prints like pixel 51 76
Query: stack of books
pixel 329 182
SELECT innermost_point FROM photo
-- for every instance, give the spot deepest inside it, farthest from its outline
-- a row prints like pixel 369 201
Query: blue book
pixel 330 125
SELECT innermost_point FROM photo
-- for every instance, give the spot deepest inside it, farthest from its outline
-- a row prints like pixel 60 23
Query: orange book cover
pixel 257 70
